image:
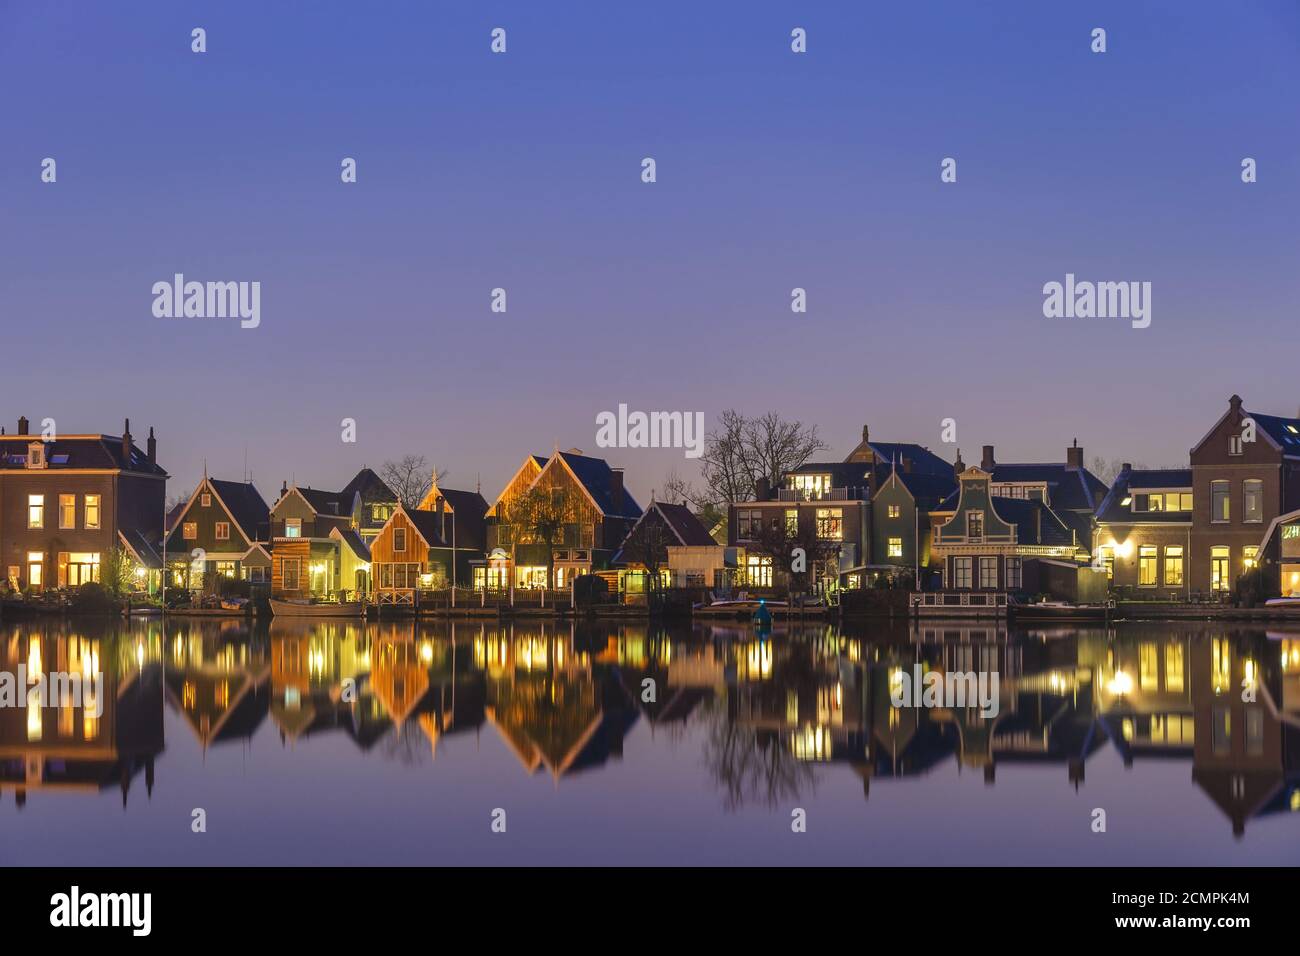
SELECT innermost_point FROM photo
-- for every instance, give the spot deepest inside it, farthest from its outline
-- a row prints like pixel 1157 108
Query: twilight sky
pixel 522 170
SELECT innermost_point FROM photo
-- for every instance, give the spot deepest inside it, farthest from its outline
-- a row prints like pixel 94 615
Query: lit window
pixel 223 530
pixel 1147 566
pixel 293 527
pixel 67 511
pixel 92 512
pixel 1108 561
pixel 811 486
pixel 792 521
pixel 758 571
pixel 190 531
pixel 1174 565
pixel 895 547
pixel 1220 578
pixel 1248 555
pixel 36 511
pixel 894 511
pixel 830 524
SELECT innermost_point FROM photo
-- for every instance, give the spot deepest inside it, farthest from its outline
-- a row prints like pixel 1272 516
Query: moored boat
pixel 283 608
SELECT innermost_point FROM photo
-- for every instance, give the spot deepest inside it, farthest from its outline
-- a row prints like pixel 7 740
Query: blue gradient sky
pixel 775 170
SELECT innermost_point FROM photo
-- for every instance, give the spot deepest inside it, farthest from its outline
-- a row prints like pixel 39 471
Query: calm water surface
pixel 393 743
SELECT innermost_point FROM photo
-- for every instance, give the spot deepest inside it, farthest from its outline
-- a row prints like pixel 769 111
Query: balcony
pixel 829 494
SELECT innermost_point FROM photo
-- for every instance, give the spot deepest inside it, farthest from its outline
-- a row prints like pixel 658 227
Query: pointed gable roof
pixel 369 486
pixel 683 522
pixel 241 502
pixel 597 478
pixel 245 504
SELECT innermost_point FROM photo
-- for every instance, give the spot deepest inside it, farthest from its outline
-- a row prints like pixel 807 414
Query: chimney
pixel 153 447
pixel 865 435
pixel 1235 403
pixel 616 489
pixel 907 465
pixel 22 425
pixel 762 489
pixel 958 466
pixel 1074 457
pixel 987 463
pixel 1127 466
pixel 284 488
pixel 126 441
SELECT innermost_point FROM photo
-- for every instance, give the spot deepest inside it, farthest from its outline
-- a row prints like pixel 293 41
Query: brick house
pixel 1245 473
pixel 68 502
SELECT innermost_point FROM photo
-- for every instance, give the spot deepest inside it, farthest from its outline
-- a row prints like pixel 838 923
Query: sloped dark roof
pixel 1112 507
pixel 144 551
pixel 1071 489
pixel 78 451
pixel 370 486
pixel 246 505
pixel 927 489
pixel 1284 431
pixel 1035 522
pixel 355 542
pixel 465 503
pixel 688 528
pixel 923 460
pixel 597 477
pixel 328 502
pixel 428 524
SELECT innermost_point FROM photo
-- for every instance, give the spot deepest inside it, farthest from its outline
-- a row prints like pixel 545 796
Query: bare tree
pixel 741 450
pixel 410 478
pixel 539 515
pixel 677 490
pixel 795 549
pixel 647 546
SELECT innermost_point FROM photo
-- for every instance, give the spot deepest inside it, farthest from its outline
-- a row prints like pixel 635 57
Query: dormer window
pixel 36 455
pixel 811 487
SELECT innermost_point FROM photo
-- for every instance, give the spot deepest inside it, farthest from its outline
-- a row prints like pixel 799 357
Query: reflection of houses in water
pixel 1144 691
pixel 431 683
pixel 1247 759
pixel 553 703
pixel 828 699
pixel 1181 696
pixel 318 682
pixel 66 747
pixel 219 681
pixel 685 674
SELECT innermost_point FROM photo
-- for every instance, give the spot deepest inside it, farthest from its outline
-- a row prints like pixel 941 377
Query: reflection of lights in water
pixel 34 656
pixel 811 743
pixel 1120 684
pixel 426 652
pixel 33 717
pixel 1295 799
pixel 139 654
